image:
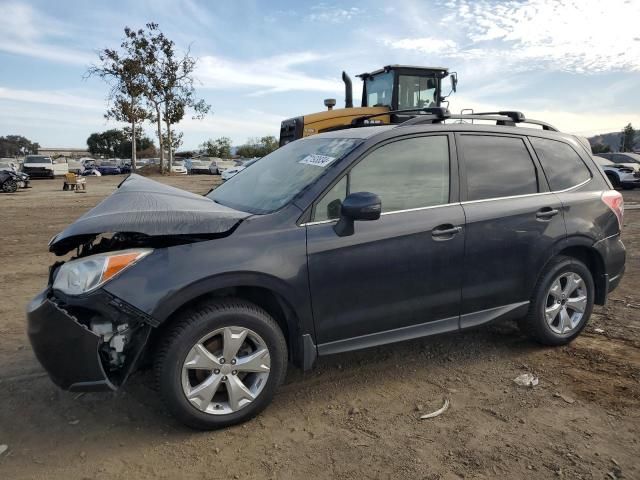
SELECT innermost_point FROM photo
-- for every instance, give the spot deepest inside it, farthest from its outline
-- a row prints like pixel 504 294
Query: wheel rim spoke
pixel 259 361
pixel 239 394
pixel 565 320
pixel 199 358
pixel 573 283
pixel 556 290
pixel 202 394
pixel 552 312
pixel 233 339
pixel 577 304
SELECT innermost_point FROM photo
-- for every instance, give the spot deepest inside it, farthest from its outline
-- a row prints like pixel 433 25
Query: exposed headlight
pixel 86 274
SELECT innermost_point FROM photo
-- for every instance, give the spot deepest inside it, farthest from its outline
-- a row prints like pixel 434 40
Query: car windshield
pixel 37 160
pixel 277 178
pixel 5 166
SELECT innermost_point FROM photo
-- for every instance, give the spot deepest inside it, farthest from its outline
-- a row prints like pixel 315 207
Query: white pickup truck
pixel 39 166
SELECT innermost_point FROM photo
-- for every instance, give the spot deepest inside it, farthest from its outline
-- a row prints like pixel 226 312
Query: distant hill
pixel 611 139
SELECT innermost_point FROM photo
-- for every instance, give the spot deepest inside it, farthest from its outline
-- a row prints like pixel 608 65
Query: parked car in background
pixel 178 167
pixel 620 175
pixel 231 172
pixel 200 167
pixel 339 241
pixel 218 165
pixel 9 165
pixel 40 166
pixel 627 159
pixel 109 167
pixel 9 182
pixel 75 166
pixel 125 167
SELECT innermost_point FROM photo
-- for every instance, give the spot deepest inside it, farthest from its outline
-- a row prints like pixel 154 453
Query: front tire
pixel 201 386
pixel 562 302
pixel 10 186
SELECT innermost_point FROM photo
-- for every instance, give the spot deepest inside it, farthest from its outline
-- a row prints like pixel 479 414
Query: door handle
pixel 446 230
pixel 547 212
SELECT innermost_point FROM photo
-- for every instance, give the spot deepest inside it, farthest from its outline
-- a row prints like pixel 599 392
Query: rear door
pixel 513 222
pixel 397 277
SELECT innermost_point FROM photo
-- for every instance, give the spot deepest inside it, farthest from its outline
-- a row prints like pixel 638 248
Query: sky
pixel 574 64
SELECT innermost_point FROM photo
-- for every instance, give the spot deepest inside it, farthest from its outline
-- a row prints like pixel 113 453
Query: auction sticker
pixel 317 160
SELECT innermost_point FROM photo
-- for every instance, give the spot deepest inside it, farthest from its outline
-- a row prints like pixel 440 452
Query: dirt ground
pixel 355 415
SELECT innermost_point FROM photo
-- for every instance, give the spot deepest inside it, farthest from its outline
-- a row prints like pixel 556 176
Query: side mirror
pixel 454 81
pixel 357 206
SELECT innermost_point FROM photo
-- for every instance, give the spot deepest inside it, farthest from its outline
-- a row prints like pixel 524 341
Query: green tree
pixel 600 148
pixel 258 147
pixel 628 139
pixel 13 145
pixel 117 143
pixel 220 147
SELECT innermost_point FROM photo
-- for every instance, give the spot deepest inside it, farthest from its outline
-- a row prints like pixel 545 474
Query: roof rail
pixel 505 118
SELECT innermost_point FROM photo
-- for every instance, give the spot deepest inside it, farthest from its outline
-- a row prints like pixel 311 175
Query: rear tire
pixel 561 303
pixel 203 389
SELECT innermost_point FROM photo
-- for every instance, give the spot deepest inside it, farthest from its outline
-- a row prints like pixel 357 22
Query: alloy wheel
pixel 226 370
pixel 566 303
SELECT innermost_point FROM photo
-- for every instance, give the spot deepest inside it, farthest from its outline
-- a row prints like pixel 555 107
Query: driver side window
pixel 406 174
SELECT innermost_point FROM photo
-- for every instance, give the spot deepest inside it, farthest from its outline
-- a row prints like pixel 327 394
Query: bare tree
pixel 123 71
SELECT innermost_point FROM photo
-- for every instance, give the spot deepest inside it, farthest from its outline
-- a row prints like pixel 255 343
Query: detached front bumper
pixel 71 353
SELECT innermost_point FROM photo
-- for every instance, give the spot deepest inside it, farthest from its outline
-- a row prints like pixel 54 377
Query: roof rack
pixel 433 113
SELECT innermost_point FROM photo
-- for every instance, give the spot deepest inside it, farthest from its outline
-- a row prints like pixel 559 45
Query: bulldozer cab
pixel 402 87
pixel 391 94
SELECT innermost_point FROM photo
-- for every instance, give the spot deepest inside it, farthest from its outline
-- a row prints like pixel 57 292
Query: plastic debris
pixel 3 448
pixel 598 330
pixel 526 380
pixel 566 398
pixel 440 411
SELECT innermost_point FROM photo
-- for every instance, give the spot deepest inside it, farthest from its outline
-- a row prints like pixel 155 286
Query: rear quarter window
pixel 562 166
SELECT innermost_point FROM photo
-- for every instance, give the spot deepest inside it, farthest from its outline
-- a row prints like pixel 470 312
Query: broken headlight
pixel 85 274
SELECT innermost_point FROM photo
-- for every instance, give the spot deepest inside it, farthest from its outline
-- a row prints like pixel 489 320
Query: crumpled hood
pixel 141 205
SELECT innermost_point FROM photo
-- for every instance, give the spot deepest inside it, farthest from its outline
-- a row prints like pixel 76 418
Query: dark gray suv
pixel 335 242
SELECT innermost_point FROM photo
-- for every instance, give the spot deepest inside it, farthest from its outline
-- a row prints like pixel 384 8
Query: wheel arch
pixel 582 248
pixel 269 293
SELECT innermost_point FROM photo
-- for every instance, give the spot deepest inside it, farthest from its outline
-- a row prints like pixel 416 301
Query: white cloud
pixel 23 31
pixel 567 35
pixel 441 46
pixel 52 97
pixel 330 14
pixel 267 75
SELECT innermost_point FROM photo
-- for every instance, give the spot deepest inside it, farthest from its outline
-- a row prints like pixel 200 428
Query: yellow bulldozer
pixel 389 95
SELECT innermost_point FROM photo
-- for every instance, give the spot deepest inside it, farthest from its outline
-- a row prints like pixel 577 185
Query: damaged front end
pixel 85 337
pixel 87 344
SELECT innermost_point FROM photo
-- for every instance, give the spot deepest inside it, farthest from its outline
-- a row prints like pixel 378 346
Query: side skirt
pixel 426 329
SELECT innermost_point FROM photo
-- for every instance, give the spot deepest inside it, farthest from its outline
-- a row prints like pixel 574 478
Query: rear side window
pixel 497 167
pixel 561 164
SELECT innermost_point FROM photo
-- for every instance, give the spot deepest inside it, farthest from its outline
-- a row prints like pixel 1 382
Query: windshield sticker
pixel 317 160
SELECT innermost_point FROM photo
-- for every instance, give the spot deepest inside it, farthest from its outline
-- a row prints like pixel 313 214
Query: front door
pixel 398 277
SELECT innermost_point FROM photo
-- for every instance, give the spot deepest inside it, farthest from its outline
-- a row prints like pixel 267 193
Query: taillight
pixel 615 202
